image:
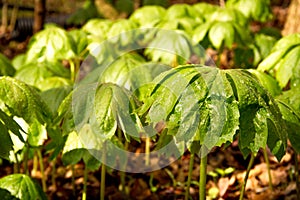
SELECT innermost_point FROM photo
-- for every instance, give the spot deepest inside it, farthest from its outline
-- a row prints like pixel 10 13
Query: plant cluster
pixel 141 74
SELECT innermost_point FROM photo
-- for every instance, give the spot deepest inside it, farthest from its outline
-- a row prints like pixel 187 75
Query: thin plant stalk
pixel 246 176
pixel 73 70
pixel 25 160
pixel 147 151
pixel 297 175
pixel 202 181
pixel 103 171
pixel 16 165
pixel 85 177
pixel 44 186
pixel 191 165
pixel 35 164
pixel 268 167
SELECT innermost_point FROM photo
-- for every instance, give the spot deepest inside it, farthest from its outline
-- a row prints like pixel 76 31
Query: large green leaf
pixel 198 105
pixel 97 27
pixel 258 10
pixel 121 32
pixel 103 108
pixel 51 44
pixel 221 34
pixel 170 47
pixel 36 74
pixel 178 11
pixel 148 16
pixel 22 186
pixel 292 118
pixel 207 106
pixel 261 123
pixel 6 68
pixel 23 101
pixel 284 61
pixel 205 9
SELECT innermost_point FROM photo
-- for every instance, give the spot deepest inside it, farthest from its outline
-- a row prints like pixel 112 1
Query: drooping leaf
pixel 205 107
pixel 258 10
pixel 54 97
pixel 205 9
pixel 80 39
pixel 221 34
pixel 51 44
pixel 36 73
pixel 284 61
pixel 121 32
pixel 97 27
pixel 23 101
pixel 170 47
pixel 6 68
pixel 261 123
pixel 267 81
pixel 22 187
pixel 148 16
pixel 292 118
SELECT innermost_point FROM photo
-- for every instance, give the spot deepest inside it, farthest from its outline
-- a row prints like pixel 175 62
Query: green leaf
pixel 267 81
pixel 6 142
pixel 97 27
pixel 205 9
pixel 284 70
pixel 171 48
pixel 292 118
pixel 261 123
pixel 188 98
pixel 6 68
pixel 80 39
pixel 178 11
pixel 258 10
pixel 22 186
pixel 221 34
pixel 37 134
pixel 148 16
pixel 23 101
pixel 36 74
pixel 54 97
pixel 51 44
pixel 284 61
pixel 121 32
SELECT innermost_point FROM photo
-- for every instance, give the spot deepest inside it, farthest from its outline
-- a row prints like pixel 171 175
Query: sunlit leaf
pixel 148 16
pixel 22 186
pixel 23 101
pixel 51 44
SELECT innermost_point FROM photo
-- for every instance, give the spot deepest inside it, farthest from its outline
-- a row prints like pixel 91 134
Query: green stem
pixel 147 151
pixel 16 165
pixel 42 170
pixel 246 176
pixel 202 181
pixel 25 161
pixel 73 70
pixel 297 175
pixel 35 164
pixel 268 167
pixel 187 190
pixel 102 186
pixel 85 182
